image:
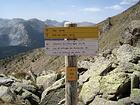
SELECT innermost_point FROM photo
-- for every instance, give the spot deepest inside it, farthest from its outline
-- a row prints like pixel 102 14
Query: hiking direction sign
pixel 71 47
pixel 70 32
pixel 56 45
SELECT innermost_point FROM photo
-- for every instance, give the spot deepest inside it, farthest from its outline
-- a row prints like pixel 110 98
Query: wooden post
pixel 71 75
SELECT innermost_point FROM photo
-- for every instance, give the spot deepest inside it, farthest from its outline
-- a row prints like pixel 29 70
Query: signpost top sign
pixel 70 32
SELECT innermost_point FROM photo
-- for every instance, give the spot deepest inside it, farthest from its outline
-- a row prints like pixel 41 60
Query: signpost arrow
pixel 71 32
pixel 71 47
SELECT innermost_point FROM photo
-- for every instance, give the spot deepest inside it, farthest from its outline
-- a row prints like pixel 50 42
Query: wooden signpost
pixel 70 47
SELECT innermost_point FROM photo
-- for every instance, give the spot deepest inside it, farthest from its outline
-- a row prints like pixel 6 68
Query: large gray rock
pixel 101 101
pixel 30 96
pixel 6 81
pixel 54 97
pixel 126 67
pixel 112 86
pixel 84 64
pixel 46 80
pixel 24 85
pixel 135 96
pixel 127 53
pixel 90 90
pixel 7 95
pixel 125 101
pixel 53 94
pixel 99 67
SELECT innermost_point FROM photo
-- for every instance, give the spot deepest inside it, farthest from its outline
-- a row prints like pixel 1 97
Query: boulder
pixel 125 101
pixel 54 94
pixel 101 101
pixel 7 95
pixel 114 86
pixel 135 96
pixel 84 64
pixel 33 99
pixel 6 81
pixel 127 53
pixel 100 67
pixel 53 97
pixel 24 85
pixel 90 89
pixel 135 80
pixel 46 80
pixel 126 67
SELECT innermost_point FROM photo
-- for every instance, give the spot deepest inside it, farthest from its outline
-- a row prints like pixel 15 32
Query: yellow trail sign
pixel 70 32
pixel 71 74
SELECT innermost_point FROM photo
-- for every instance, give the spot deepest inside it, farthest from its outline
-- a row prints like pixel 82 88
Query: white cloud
pixel 114 7
pixel 128 2
pixel 73 6
pixel 91 9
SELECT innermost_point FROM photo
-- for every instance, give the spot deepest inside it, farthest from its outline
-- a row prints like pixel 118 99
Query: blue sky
pixel 71 10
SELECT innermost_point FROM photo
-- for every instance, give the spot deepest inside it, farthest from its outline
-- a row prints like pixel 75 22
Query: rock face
pixel 120 29
pixel 132 33
pixel 110 79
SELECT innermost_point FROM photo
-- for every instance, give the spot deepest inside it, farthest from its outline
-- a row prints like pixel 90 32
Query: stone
pixel 84 64
pixel 33 76
pixel 101 101
pixel 62 102
pixel 125 101
pixel 90 89
pixel 56 85
pixel 7 95
pixel 135 96
pixel 24 85
pixel 53 97
pixel 30 96
pixel 99 67
pixel 46 80
pixel 126 67
pixel 135 80
pixel 127 53
pixel 115 85
pixel 6 81
pixel 27 102
pixel 26 94
pixel 54 94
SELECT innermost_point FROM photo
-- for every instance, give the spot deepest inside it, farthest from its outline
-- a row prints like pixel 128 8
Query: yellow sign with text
pixel 70 32
pixel 71 74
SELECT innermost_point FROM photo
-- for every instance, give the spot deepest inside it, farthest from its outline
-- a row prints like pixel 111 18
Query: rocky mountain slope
pixel 117 29
pixel 112 78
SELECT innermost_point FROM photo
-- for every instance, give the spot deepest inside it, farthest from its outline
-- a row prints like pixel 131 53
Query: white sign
pixel 71 47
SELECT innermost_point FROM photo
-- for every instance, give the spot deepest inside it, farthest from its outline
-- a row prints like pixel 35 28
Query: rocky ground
pixel 112 78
